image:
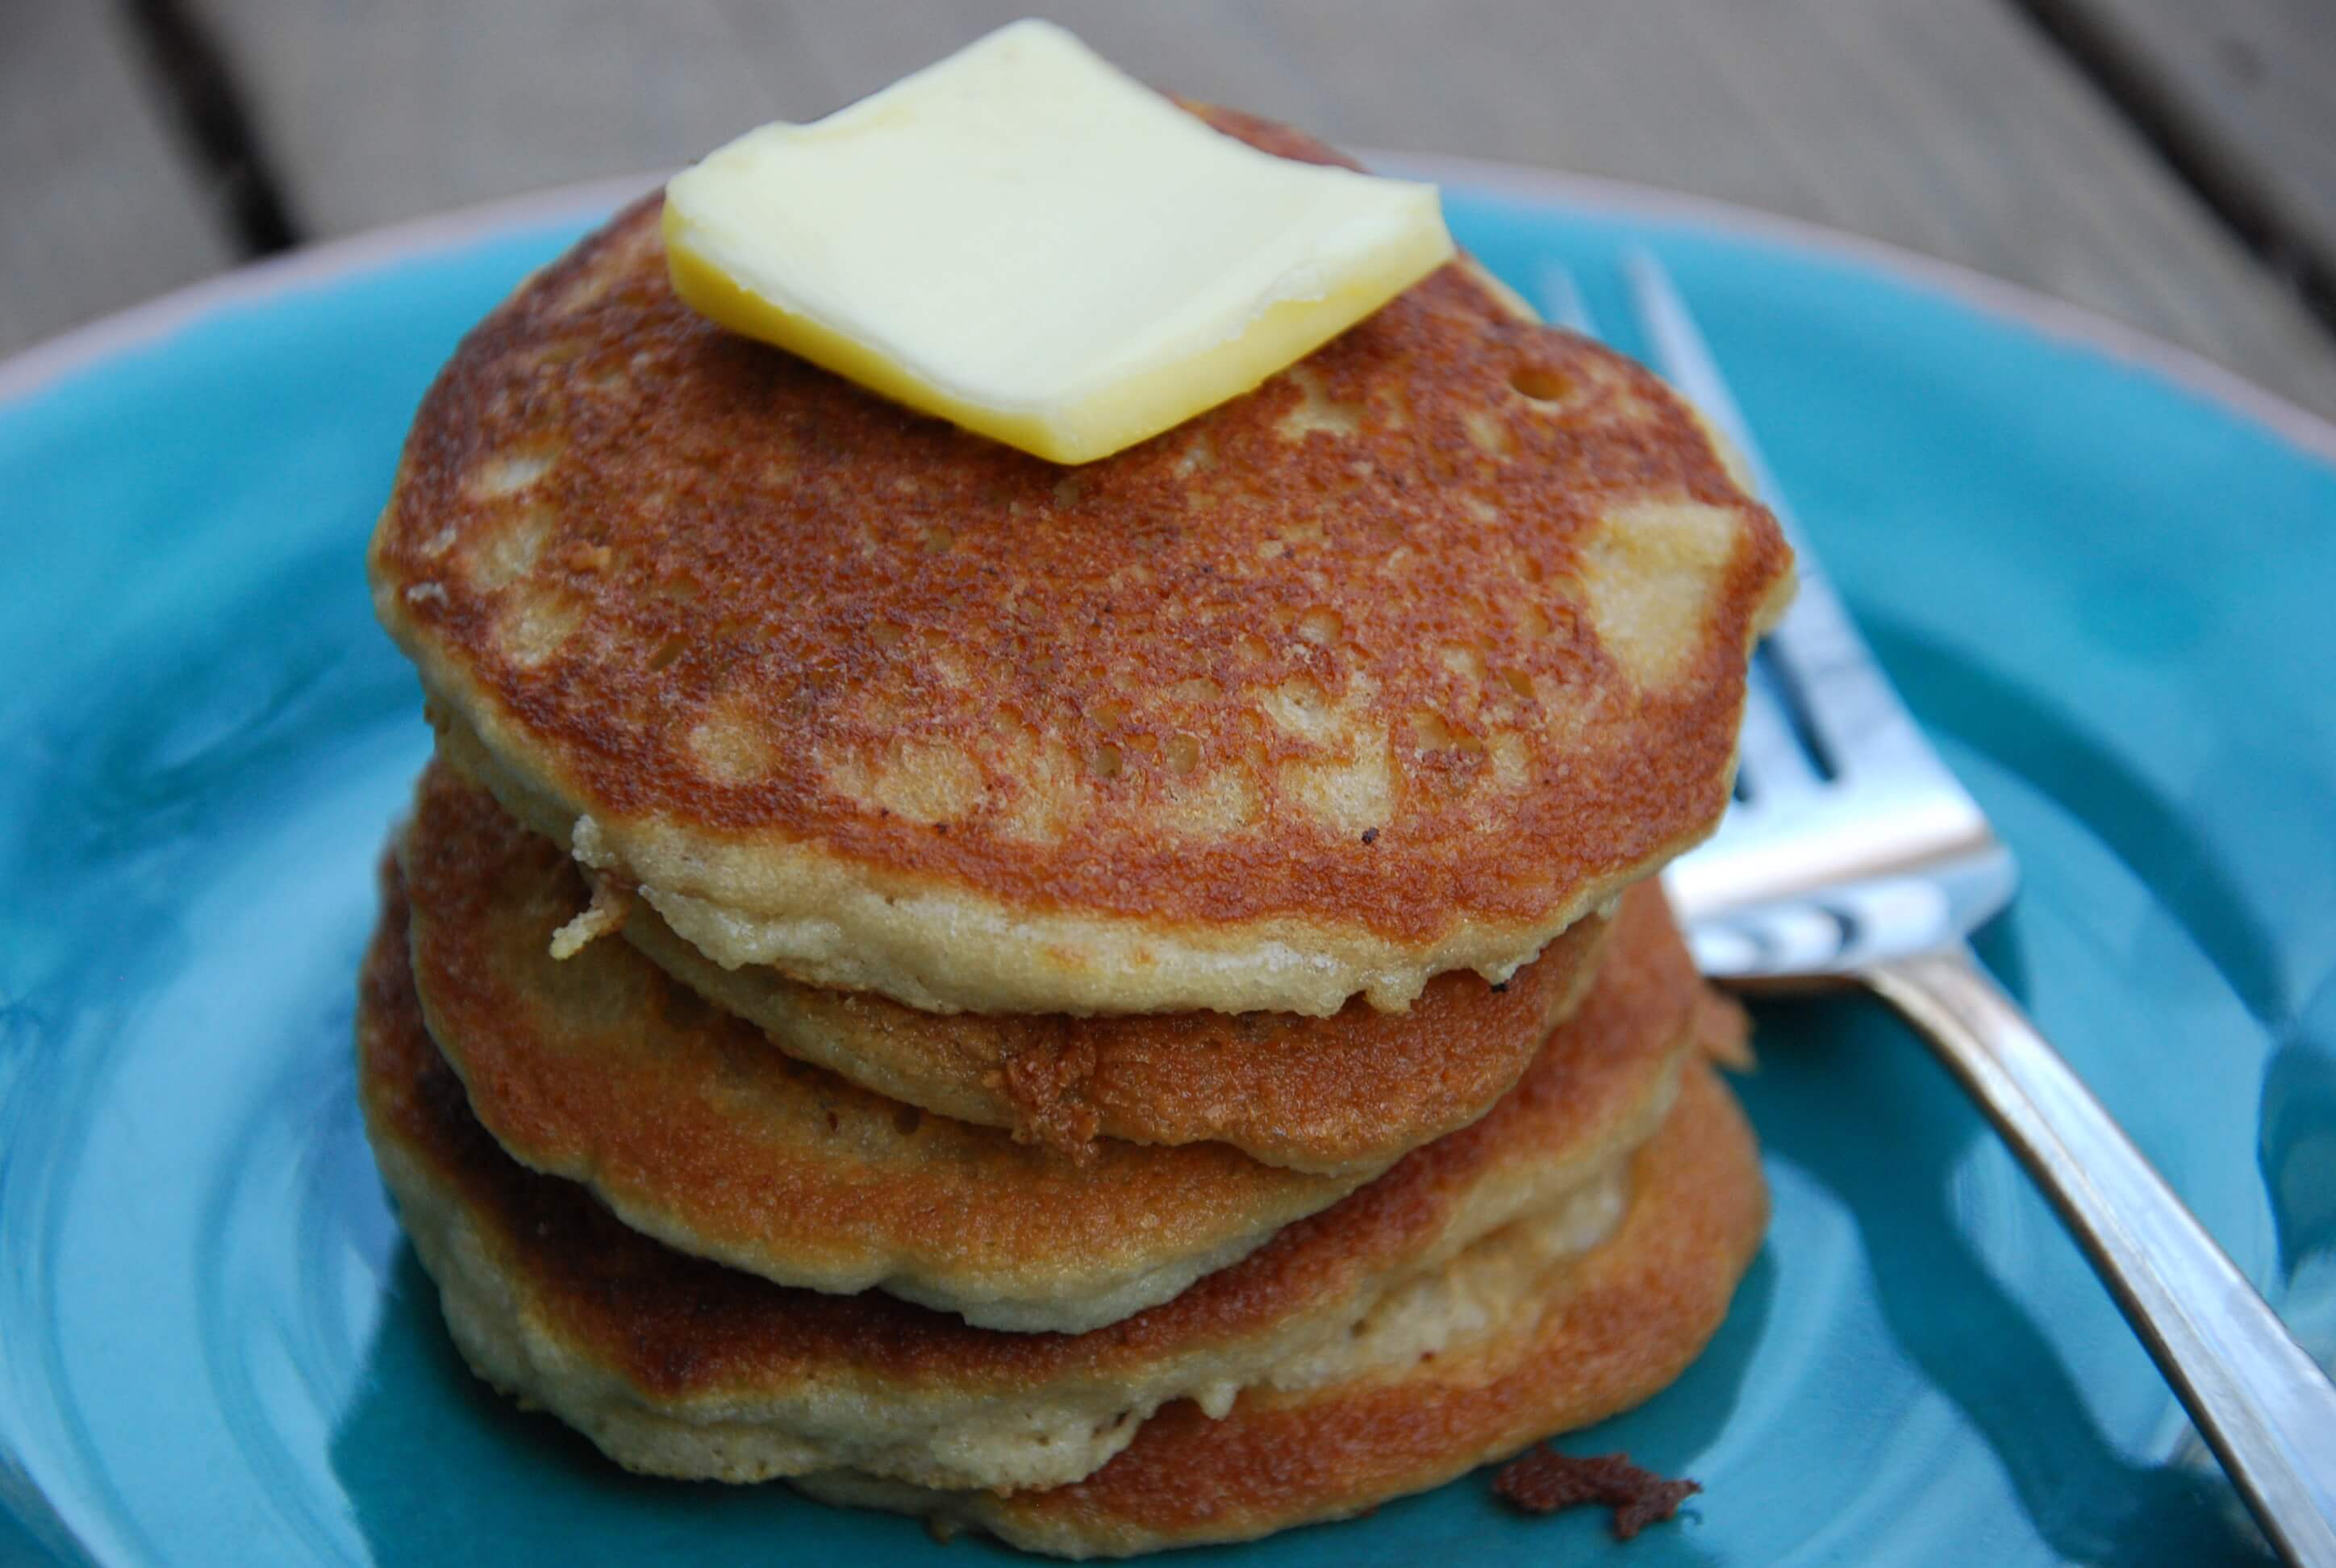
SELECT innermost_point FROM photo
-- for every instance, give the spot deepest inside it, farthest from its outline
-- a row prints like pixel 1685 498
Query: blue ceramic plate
pixel 2101 574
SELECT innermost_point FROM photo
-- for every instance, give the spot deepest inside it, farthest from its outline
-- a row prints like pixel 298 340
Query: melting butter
pixel 1024 241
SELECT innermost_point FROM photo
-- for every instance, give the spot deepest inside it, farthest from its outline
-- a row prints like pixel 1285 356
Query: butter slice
pixel 1024 241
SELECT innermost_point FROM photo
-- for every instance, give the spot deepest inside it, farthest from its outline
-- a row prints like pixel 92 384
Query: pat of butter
pixel 1026 241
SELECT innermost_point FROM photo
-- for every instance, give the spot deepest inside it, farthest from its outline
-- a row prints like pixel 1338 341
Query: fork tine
pixel 1770 760
pixel 1561 302
pixel 1829 675
pixel 1686 362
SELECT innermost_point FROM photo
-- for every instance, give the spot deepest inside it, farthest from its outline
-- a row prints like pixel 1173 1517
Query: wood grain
pixel 1950 126
pixel 1946 126
pixel 103 210
pixel 2244 90
pixel 372 113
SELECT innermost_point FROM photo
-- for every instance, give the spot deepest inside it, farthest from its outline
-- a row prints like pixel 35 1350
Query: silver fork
pixel 1851 854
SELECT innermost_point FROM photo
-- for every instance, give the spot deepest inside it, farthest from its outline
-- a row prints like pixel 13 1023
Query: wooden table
pixel 2170 164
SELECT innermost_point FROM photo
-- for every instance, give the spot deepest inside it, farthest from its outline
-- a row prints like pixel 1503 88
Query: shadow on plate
pixel 442 1469
pixel 1892 1166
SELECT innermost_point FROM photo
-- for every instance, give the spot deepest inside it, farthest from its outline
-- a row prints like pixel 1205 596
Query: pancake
pixel 1400 664
pixel 1512 1342
pixel 1345 1096
pixel 689 1126
pixel 674 1365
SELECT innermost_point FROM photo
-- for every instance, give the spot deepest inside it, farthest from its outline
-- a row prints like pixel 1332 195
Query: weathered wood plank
pixel 1948 126
pixel 2244 90
pixel 374 112
pixel 103 210
pixel 1945 126
pixel 1217 50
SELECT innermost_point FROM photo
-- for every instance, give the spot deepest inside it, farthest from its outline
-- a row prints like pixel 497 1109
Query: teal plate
pixel 2101 574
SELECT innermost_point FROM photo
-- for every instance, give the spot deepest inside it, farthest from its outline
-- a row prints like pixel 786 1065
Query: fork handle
pixel 2262 1404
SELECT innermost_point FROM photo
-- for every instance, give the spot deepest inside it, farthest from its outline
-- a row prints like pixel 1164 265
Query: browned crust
pixel 1346 1094
pixel 1624 1323
pixel 1359 1087
pixel 732 527
pixel 603 1069
pixel 675 1327
pixel 1543 1480
pixel 1353 1091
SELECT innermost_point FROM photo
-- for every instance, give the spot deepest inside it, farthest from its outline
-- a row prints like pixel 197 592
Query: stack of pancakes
pixel 1118 1006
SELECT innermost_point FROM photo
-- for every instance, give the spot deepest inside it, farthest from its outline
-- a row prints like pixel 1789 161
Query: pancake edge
pixel 1631 1315
pixel 1274 1142
pixel 908 937
pixel 922 1430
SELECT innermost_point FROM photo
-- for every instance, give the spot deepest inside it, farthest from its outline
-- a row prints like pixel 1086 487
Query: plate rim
pixel 36 367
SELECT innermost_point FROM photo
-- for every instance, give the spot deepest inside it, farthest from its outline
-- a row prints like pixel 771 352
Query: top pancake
pixel 1399 664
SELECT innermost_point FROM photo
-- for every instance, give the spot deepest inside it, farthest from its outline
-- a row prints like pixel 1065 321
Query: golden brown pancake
pixel 689 1126
pixel 1344 1095
pixel 678 1366
pixel 1425 1389
pixel 1401 663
